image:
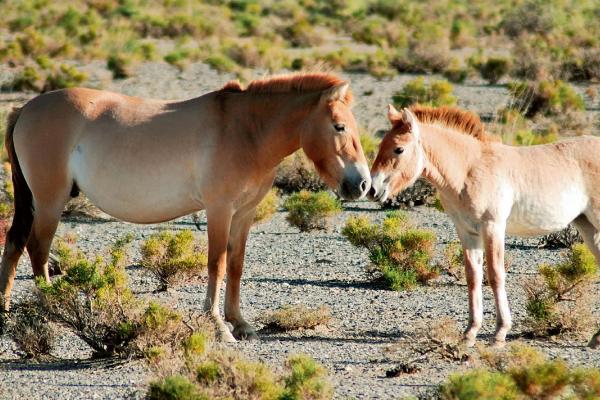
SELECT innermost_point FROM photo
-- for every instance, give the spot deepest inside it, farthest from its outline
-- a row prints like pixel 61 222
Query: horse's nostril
pixel 373 192
pixel 363 186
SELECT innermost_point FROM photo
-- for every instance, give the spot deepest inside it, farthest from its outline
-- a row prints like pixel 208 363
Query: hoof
pixel 245 332
pixel 595 342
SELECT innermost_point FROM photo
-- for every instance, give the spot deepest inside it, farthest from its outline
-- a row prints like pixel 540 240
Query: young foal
pixel 148 161
pixel 489 189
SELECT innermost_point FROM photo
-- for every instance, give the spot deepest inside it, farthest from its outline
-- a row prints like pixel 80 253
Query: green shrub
pixel 494 69
pixel 522 373
pixel 174 257
pixel 119 65
pixel 297 173
pixel 221 63
pixel 399 254
pixel 308 210
pixel 417 91
pixel 306 380
pixel 557 302
pixel 174 387
pixel 289 318
pixel 370 146
pixel 453 262
pixel 267 206
pixel 545 97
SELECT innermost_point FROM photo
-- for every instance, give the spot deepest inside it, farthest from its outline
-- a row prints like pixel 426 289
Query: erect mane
pixel 452 117
pixel 297 82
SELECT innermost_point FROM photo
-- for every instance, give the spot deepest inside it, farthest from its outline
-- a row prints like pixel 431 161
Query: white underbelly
pixel 537 214
pixel 141 190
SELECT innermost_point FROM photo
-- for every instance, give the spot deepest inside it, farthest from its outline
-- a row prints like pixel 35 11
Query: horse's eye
pixel 399 150
pixel 339 127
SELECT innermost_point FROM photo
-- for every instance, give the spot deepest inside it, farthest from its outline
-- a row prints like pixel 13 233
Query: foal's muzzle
pixel 356 182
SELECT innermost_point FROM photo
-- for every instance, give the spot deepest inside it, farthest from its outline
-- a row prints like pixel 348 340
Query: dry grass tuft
pixel 31 330
pixel 289 318
pixel 174 257
pixel 267 207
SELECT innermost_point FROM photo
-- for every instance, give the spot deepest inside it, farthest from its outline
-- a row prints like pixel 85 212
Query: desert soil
pixel 284 266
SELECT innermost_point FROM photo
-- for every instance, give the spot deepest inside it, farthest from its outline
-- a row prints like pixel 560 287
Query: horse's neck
pixel 449 156
pixel 277 125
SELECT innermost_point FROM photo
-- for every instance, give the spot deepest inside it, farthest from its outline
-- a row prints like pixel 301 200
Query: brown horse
pixel 148 161
pixel 489 189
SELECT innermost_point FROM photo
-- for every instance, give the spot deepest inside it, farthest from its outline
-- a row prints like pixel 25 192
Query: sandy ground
pixel 284 266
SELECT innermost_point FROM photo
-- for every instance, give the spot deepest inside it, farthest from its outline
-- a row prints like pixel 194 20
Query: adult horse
pixel 489 189
pixel 148 161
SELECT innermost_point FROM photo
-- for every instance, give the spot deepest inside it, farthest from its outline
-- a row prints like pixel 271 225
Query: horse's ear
pixel 393 114
pixel 409 118
pixel 338 92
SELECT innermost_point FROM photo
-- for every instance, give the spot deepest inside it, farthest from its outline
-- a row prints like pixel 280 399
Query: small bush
pixel 308 211
pixel 417 91
pixel 296 173
pixel 289 318
pixel 30 328
pixel 174 387
pixel 522 373
pixel 494 69
pixel 370 146
pixel 557 302
pixel 267 207
pixel 400 255
pixel 174 257
pixel 453 262
pixel 545 97
pixel 562 239
pixel 421 193
pixel 306 380
pixel 119 65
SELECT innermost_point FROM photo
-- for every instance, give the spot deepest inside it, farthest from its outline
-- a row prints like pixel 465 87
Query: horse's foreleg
pixel 237 247
pixel 591 237
pixel 473 259
pixel 494 251
pixel 219 223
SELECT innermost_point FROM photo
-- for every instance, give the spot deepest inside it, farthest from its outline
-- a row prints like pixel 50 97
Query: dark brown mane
pixel 452 117
pixel 298 82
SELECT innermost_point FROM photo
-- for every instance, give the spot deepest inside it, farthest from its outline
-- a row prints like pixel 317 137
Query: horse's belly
pixel 138 192
pixel 538 215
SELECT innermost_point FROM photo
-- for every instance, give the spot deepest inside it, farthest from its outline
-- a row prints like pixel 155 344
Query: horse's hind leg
pixel 44 227
pixel 591 237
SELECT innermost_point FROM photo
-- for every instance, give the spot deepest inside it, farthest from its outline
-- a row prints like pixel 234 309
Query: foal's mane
pixel 454 118
pixel 298 82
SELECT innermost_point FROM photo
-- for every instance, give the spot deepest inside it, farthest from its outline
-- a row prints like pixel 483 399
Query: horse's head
pixel 331 141
pixel 400 160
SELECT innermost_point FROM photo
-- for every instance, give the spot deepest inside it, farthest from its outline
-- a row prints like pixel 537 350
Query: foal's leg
pixel 219 223
pixel 591 237
pixel 494 251
pixel 473 258
pixel 240 228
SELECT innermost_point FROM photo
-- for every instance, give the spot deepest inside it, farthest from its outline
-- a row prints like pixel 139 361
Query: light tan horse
pixel 489 189
pixel 148 161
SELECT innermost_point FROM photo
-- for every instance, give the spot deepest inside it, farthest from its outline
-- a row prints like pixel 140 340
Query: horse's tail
pixel 23 218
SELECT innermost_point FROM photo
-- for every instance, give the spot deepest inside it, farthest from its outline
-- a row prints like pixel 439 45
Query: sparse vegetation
pixel 31 330
pixel 399 254
pixel 288 318
pixel 308 211
pixel 563 239
pixel 453 262
pixel 267 207
pixel 548 98
pixel 522 373
pixel 174 257
pixel 494 68
pixel 417 91
pixel 558 300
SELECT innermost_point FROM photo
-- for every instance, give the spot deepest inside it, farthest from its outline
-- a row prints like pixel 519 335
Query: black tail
pixel 23 218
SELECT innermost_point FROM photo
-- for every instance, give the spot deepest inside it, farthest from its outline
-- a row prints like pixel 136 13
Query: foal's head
pixel 330 139
pixel 400 160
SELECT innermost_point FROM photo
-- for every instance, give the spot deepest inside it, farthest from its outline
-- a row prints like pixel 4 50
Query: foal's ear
pixel 338 92
pixel 393 114
pixel 409 118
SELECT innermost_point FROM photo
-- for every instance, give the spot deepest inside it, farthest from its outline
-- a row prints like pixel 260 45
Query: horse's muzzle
pixel 355 184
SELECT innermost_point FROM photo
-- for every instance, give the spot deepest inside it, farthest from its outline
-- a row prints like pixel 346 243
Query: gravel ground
pixel 284 266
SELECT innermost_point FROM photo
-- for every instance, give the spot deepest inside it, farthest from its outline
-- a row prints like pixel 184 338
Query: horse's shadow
pixel 61 364
pixel 364 337
pixel 329 283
